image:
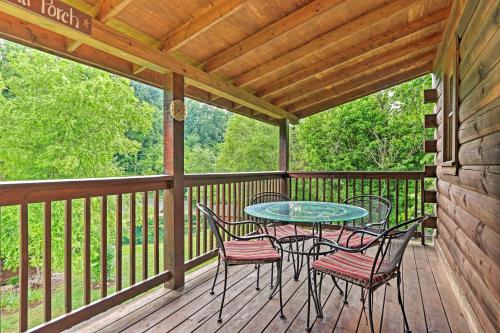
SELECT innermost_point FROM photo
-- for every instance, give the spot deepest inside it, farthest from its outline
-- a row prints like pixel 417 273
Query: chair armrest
pixel 257 225
pixel 273 239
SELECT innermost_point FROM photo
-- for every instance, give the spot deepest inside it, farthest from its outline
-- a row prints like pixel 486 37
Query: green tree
pixel 249 145
pixel 60 119
pixel 382 131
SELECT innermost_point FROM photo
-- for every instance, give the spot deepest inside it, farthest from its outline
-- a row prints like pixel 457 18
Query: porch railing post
pixel 284 154
pixel 173 210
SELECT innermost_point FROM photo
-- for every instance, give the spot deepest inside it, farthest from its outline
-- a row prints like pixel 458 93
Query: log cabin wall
pixel 468 190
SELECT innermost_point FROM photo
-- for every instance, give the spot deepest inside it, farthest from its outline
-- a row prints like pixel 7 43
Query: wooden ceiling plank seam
pixel 105 39
pixel 365 90
pixel 353 52
pixel 270 32
pixel 318 43
pixel 345 73
pixel 201 21
pixel 393 69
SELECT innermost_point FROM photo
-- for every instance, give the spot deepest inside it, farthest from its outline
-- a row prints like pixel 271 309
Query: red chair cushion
pixel 288 230
pixel 356 241
pixel 249 252
pixel 353 267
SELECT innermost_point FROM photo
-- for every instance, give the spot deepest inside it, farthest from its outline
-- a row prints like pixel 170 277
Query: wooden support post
pixel 284 153
pixel 173 211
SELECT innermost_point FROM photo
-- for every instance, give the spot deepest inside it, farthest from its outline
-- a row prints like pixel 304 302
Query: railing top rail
pixel 222 178
pixel 21 192
pixel 358 174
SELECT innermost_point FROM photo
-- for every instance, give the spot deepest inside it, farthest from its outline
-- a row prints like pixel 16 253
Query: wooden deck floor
pixel 430 304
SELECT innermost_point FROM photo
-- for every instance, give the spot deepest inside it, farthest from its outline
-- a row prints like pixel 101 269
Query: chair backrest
pixel 393 243
pixel 378 209
pixel 216 225
pixel 263 197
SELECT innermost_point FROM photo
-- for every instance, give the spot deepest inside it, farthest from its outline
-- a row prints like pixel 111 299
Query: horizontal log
pixel 430 146
pixel 430 196
pixel 430 96
pixel 484 95
pixel 481 206
pixel 19 192
pixel 468 280
pixel 430 171
pixel 487 239
pixel 482 151
pixel 190 264
pixel 84 313
pixel 225 178
pixel 484 122
pixel 431 222
pixel 482 179
pixel 430 121
pixel 475 306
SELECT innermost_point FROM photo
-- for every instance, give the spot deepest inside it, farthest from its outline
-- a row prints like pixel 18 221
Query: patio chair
pixel 378 209
pixel 243 250
pixel 285 233
pixel 354 266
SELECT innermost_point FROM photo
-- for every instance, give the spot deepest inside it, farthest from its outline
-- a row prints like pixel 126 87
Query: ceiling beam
pixel 398 67
pixel 270 32
pixel 106 39
pixel 326 39
pixel 350 70
pixel 365 90
pixel 201 22
pixel 103 10
pixel 353 52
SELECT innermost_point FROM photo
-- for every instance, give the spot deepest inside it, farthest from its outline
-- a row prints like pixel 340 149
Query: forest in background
pixel 60 119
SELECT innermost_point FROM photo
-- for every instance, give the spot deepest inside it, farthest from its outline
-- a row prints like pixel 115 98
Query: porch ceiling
pixel 265 59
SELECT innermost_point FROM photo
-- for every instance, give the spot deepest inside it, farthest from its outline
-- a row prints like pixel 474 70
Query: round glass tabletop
pixel 306 211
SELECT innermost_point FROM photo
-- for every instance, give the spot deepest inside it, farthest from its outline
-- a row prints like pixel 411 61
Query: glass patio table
pixel 315 213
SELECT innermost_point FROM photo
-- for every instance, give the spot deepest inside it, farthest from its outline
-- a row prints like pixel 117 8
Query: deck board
pixel 430 304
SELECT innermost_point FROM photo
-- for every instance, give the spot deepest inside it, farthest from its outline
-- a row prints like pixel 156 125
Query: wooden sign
pixel 58 11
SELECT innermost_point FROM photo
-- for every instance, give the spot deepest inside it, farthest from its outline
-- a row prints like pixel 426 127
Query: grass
pixel 9 300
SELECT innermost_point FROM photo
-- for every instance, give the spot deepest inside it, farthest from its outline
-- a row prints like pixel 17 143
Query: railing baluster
pixel 338 190
pixel 67 257
pixel 198 222
pixel 416 198
pixel 119 243
pixel 156 232
pixel 406 199
pixel 397 201
pixel 23 268
pixel 354 181
pixel 145 235
pixel 379 187
pixel 190 222
pixel 324 188
pixel 310 188
pixel 388 188
pixel 331 190
pixel 132 238
pixel 86 250
pixel 371 186
pixel 346 189
pixel 205 231
pixel 47 262
pixel 212 208
pixel 104 246
pixel 362 186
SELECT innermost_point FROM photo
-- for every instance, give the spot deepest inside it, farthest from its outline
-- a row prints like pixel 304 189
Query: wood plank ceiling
pixel 268 60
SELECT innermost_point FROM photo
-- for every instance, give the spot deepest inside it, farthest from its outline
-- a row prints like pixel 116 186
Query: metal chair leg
pixel 223 294
pixel 370 310
pixel 216 274
pixel 272 271
pixel 336 285
pixel 308 328
pixel 258 276
pixel 401 304
pixel 345 292
pixel 279 266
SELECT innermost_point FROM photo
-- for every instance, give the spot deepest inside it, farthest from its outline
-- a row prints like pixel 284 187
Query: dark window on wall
pixel 451 85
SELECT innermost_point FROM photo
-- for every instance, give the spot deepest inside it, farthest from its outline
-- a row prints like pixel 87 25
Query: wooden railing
pixel 227 195
pixel 79 211
pixel 119 216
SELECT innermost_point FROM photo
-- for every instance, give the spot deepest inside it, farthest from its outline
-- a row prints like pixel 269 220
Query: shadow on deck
pixel 430 304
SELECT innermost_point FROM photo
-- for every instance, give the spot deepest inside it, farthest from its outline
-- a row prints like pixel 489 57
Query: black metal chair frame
pixel 298 262
pixel 217 225
pixel 393 269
